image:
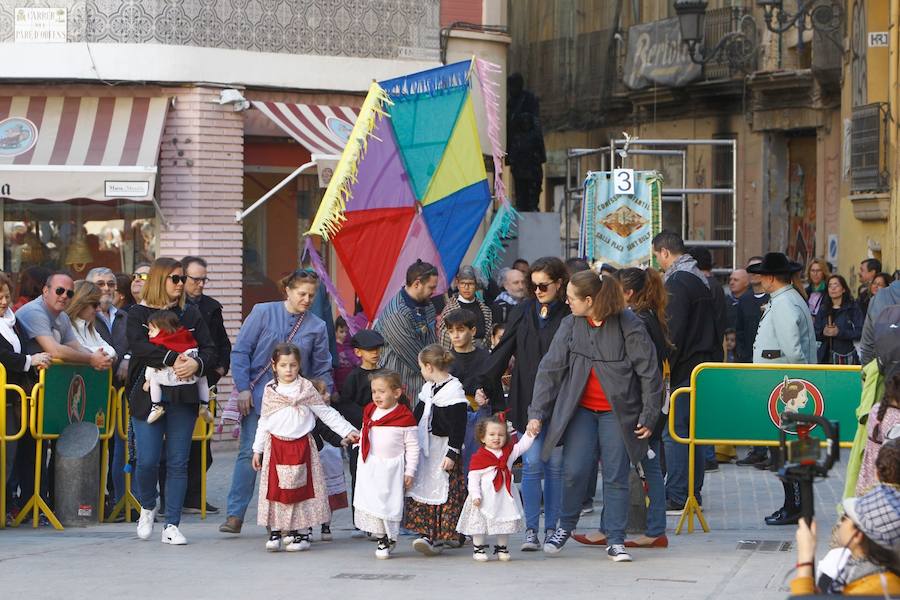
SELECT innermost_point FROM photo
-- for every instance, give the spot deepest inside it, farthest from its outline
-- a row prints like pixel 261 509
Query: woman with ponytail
pixel 598 390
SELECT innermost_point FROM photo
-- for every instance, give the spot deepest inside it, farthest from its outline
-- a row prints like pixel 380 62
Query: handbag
pixel 231 412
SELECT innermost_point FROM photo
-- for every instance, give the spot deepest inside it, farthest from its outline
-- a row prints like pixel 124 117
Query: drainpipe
pixel 894 157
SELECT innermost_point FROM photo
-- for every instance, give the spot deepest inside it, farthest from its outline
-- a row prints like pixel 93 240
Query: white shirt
pixel 293 422
pixel 90 339
pixel 390 442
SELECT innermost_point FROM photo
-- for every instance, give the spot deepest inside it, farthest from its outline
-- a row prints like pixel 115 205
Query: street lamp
pixel 824 16
pixel 737 48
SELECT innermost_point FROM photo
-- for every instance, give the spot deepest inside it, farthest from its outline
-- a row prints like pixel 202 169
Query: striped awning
pixel 323 130
pixel 62 147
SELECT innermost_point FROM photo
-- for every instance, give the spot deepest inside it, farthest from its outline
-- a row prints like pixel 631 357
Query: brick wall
pixel 201 188
pixel 467 11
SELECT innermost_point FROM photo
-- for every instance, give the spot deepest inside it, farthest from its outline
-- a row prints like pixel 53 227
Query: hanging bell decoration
pixel 78 255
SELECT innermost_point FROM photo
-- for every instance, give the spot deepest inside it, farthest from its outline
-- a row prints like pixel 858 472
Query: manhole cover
pixel 765 545
pixel 374 576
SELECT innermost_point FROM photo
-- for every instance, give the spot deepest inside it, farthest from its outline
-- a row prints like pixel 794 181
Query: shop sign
pixel 40 25
pixel 879 39
pixel 657 56
pixel 17 136
pixel 127 189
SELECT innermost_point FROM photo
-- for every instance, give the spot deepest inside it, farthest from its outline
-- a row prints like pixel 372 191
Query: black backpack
pixel 887 340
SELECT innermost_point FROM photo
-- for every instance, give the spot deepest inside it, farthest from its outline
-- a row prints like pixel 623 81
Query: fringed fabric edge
pixel 429 82
pixel 491 251
pixel 315 261
pixel 491 96
pixel 330 216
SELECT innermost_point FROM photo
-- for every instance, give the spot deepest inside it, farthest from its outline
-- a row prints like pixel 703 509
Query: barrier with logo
pixel 64 394
pixel 740 404
pixel 5 436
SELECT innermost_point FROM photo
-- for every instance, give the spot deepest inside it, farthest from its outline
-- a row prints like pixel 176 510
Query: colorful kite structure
pixel 411 183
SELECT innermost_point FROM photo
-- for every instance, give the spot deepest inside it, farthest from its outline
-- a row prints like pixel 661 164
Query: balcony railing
pixel 719 23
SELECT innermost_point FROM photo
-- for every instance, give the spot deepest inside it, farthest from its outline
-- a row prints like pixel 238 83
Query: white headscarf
pixel 7 330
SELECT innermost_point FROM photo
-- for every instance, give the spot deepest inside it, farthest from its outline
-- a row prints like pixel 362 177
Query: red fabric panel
pixel 368 245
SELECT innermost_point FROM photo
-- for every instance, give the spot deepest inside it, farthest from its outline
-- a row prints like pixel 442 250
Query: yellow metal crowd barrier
pixel 5 437
pixel 36 504
pixel 744 386
pixel 116 419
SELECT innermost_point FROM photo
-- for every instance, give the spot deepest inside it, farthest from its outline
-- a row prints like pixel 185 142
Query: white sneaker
pixel 145 523
pixel 275 545
pixel 298 544
pixel 618 553
pixel 205 414
pixel 171 535
pixel 384 548
pixel 156 412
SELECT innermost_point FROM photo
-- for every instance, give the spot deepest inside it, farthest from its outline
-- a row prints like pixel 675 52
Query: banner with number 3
pixel 620 215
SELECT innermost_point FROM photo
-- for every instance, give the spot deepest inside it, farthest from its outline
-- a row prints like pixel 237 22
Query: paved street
pixel 109 559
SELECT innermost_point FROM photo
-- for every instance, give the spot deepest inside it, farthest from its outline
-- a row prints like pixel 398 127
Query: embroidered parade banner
pixel 74 393
pixel 620 214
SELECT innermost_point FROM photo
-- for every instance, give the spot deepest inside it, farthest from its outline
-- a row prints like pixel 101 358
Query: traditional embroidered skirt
pixel 438 521
pixel 285 501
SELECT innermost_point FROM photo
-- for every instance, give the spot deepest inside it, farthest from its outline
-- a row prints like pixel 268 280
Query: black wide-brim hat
pixel 775 263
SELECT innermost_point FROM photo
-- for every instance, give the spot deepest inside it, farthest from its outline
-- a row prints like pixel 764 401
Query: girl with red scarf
pixel 386 465
pixel 493 506
pixel 164 329
pixel 293 495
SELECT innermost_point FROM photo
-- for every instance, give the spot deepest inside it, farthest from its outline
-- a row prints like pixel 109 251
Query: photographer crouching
pixel 868 559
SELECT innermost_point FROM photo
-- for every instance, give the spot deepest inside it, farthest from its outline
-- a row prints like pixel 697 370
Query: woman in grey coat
pixel 598 390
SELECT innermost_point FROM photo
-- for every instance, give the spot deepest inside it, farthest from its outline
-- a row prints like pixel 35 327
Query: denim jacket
pixel 268 324
pixel 786 333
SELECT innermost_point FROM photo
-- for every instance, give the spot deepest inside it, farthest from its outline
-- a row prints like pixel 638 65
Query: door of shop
pixel 801 200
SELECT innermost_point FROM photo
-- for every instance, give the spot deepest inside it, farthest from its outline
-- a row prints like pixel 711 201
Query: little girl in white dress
pixel 493 506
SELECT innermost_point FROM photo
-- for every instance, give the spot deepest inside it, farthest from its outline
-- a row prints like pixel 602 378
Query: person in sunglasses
pixel 138 279
pixel 49 329
pixel 164 290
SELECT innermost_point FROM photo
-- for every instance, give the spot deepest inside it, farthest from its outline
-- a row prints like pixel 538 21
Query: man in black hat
pixel 785 336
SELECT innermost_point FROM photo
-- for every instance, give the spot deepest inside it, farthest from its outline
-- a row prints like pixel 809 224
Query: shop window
pixel 78 235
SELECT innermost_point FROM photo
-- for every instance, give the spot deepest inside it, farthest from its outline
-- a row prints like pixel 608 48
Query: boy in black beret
pixel 356 392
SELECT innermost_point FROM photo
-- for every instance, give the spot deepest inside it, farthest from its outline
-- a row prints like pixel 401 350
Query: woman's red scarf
pixel 399 417
pixel 177 341
pixel 484 458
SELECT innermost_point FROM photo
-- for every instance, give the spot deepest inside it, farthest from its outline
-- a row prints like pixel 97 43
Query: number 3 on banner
pixel 623 181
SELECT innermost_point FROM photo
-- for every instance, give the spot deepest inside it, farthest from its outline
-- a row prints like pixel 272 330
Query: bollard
pixel 637 505
pixel 77 475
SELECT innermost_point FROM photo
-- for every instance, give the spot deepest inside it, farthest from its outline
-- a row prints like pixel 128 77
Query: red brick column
pixel 201 169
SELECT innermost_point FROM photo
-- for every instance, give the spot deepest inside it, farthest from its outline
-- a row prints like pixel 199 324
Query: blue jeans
pixel 591 436
pixel 677 455
pixel 175 427
pixel 709 454
pixel 534 470
pixel 118 468
pixel 656 513
pixel 243 479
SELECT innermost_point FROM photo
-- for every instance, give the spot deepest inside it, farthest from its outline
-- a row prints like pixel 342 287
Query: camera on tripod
pixel 800 461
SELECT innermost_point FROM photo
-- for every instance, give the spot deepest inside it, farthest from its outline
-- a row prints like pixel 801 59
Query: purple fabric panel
pixel 382 181
pixel 418 245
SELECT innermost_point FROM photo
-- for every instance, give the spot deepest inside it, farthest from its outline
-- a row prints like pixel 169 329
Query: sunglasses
pixel 61 290
pixel 304 274
pixel 106 284
pixel 543 286
pixel 176 279
pixel 141 276
pixel 198 279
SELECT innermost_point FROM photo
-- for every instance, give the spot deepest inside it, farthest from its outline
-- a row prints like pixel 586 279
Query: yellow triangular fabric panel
pixel 462 163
